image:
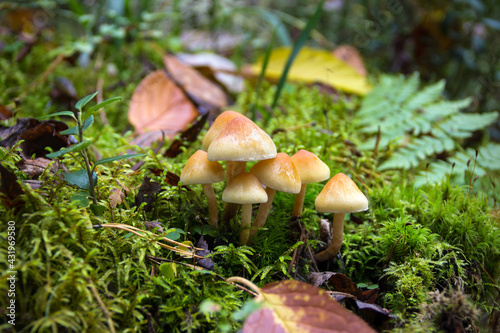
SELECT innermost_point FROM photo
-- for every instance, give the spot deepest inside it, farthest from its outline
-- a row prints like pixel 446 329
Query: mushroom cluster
pixel 235 139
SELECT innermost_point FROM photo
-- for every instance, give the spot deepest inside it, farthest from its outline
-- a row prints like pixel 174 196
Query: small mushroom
pixel 311 170
pixel 199 170
pixel 339 196
pixel 245 189
pixel 277 174
pixel 240 141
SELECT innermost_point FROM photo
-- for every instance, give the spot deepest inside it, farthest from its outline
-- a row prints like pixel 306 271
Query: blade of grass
pixel 304 35
pixel 261 76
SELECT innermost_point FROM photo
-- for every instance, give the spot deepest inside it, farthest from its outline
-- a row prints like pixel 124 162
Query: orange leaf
pixel 159 105
pixel 293 306
pixel 350 55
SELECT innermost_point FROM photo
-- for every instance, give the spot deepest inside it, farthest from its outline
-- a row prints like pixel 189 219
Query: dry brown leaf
pixel 199 88
pixel 293 306
pixel 116 197
pixel 350 55
pixel 159 105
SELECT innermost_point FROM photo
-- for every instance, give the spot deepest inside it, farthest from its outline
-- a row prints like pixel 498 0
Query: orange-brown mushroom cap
pixel 244 189
pixel 241 140
pixel 311 169
pixel 278 173
pixel 341 195
pixel 199 170
pixel 218 125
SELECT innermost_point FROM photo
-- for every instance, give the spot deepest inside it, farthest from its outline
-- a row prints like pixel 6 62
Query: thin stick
pixel 103 307
pixel 249 284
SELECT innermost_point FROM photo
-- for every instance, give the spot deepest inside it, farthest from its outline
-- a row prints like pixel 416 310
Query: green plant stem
pixel 86 159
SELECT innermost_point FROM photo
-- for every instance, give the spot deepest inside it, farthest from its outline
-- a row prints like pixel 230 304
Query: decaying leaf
pixel 188 135
pixel 313 66
pixel 294 306
pixel 36 135
pixel 159 105
pixel 218 66
pixel 147 193
pixel 221 41
pixel 5 113
pixel 10 189
pixel 116 197
pixel 350 55
pixel 204 262
pixel 34 168
pixel 153 225
pixel 200 89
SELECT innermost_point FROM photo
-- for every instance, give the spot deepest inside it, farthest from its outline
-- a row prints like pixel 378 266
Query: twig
pixel 237 279
pixel 103 307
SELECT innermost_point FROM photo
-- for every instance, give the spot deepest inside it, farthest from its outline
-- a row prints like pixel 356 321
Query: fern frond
pixel 418 125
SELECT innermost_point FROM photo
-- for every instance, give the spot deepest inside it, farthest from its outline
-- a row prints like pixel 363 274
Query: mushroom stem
pixel 234 168
pixel 337 236
pixel 246 218
pixel 264 209
pixel 299 201
pixel 213 209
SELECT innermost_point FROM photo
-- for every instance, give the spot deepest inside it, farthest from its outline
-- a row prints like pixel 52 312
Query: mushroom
pixel 241 141
pixel 238 142
pixel 277 174
pixel 311 170
pixel 199 170
pixel 339 196
pixel 245 189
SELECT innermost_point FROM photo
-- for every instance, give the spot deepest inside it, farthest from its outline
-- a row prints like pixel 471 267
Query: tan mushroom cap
pixel 341 195
pixel 218 125
pixel 199 170
pixel 241 140
pixel 278 173
pixel 244 189
pixel 311 169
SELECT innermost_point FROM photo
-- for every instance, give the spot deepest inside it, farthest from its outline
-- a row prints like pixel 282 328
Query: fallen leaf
pixel 5 113
pixel 204 262
pixel 152 225
pixel 34 168
pixel 116 197
pixel 36 135
pixel 10 189
pixel 159 105
pixel 147 193
pixel 218 65
pixel 188 135
pixel 312 66
pixel 199 88
pixel 350 55
pixel 293 306
pixel 221 41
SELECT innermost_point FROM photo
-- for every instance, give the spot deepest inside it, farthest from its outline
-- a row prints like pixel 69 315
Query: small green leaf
pixel 80 179
pixel 78 147
pixel 116 158
pixel 98 210
pixel 81 200
pixel 168 270
pixel 174 234
pixel 62 113
pixel 101 105
pixel 81 103
pixel 74 130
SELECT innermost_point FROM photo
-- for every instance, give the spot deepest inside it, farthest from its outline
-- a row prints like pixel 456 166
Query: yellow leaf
pixel 313 65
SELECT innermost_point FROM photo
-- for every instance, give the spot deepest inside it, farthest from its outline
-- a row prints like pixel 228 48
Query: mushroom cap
pixel 278 173
pixel 311 169
pixel 241 140
pixel 244 189
pixel 199 170
pixel 218 125
pixel 341 195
